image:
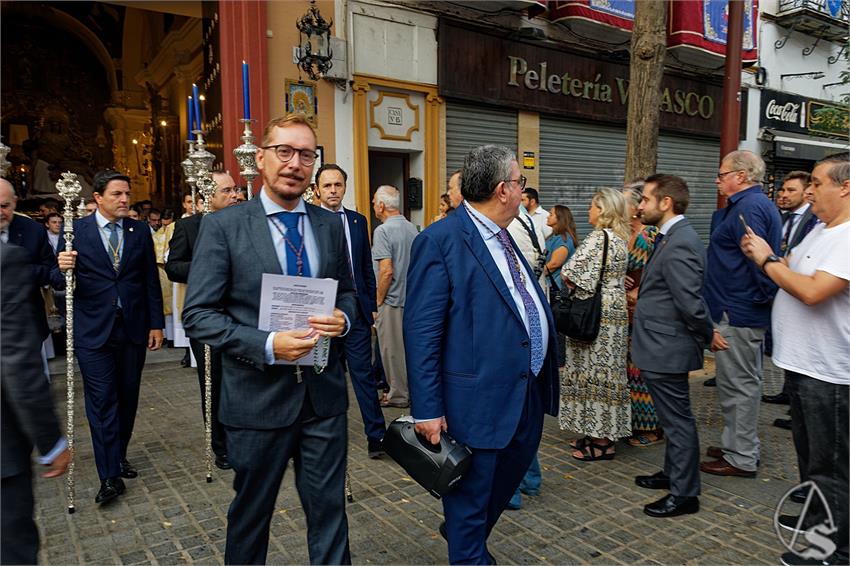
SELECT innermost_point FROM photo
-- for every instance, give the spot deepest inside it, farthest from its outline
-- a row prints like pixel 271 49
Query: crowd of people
pixel 455 323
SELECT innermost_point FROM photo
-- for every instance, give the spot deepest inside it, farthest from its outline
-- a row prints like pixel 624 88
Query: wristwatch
pixel 770 259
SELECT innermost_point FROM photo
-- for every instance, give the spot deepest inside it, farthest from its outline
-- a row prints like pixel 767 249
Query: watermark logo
pixel 818 545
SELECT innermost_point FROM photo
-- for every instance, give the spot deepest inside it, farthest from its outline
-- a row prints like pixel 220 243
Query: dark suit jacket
pixel 181 247
pixel 807 222
pixel 672 325
pixel 99 286
pixel 222 310
pixel 364 274
pixel 468 352
pixel 27 409
pixel 32 236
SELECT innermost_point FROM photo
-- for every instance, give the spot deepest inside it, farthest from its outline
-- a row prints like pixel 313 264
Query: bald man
pixel 177 267
pixel 22 231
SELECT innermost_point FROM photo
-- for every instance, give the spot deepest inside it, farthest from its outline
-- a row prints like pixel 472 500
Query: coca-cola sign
pixel 783 111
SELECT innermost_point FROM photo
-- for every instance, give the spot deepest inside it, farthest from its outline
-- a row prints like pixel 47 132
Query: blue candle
pixel 197 106
pixel 189 122
pixel 246 92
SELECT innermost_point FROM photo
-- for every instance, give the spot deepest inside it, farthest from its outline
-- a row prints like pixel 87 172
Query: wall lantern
pixel 314 48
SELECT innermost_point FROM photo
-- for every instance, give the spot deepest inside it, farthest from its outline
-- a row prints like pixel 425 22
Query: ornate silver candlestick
pixel 246 156
pixel 203 160
pixel 189 170
pixel 69 189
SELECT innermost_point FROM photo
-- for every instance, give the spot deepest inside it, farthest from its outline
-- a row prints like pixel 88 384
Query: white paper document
pixel 287 301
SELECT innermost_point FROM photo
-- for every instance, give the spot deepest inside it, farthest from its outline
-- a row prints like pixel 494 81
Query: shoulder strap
pixel 531 234
pixel 604 260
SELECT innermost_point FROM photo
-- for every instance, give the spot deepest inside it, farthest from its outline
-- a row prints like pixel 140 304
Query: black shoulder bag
pixel 580 318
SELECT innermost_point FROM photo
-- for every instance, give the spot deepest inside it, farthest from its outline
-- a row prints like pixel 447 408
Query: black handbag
pixel 580 318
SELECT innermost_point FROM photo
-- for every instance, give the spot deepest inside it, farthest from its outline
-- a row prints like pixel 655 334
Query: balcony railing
pixel 824 19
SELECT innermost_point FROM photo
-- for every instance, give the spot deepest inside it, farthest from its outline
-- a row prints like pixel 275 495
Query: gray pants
pixel 739 372
pixel 391 343
pixel 671 395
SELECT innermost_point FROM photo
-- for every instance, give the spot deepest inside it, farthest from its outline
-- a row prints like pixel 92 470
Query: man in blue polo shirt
pixel 739 296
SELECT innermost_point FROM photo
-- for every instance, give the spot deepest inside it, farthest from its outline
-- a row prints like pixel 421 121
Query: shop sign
pixel 793 113
pixel 477 66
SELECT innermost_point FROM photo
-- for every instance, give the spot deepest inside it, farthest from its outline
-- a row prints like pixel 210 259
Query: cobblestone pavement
pixel 585 513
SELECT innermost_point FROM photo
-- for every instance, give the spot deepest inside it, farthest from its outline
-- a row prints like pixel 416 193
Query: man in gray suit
pixel 671 329
pixel 276 412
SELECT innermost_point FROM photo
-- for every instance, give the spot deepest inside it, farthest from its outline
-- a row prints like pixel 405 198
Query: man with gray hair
pixel 391 244
pixel 480 345
pixel 739 296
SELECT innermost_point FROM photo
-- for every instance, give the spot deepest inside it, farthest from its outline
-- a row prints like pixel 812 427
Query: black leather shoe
pixel 109 490
pixel 778 399
pixel 712 382
pixel 672 506
pixel 656 481
pixel 782 423
pixel 375 448
pixel 222 463
pixel 127 470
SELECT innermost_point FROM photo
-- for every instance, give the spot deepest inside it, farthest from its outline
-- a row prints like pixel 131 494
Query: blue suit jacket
pixel 364 274
pixel 32 236
pixel 99 286
pixel 468 352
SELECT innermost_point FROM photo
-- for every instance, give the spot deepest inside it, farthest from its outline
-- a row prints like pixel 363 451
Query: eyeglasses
pixel 521 181
pixel 721 175
pixel 285 153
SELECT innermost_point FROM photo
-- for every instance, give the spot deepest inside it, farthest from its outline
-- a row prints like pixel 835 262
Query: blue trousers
pixel 474 506
pixel 112 376
pixel 358 355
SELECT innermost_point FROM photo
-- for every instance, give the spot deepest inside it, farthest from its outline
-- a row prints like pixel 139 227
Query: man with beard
pixel 274 413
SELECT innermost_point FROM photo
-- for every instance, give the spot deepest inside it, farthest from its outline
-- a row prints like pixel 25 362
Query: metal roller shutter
pixel 696 161
pixel 577 158
pixel 469 126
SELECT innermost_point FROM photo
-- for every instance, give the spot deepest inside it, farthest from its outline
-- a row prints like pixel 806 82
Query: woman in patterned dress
pixel 645 428
pixel 595 400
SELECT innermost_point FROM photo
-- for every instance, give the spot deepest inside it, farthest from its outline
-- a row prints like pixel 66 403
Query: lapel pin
pixel 131 228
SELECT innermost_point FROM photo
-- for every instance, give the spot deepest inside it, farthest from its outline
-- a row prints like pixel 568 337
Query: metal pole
pixel 69 189
pixel 730 127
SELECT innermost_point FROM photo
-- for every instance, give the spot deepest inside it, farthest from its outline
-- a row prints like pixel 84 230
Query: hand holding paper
pixel 290 345
pixel 331 326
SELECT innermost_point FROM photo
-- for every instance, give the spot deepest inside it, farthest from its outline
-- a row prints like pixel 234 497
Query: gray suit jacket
pixel 672 325
pixel 233 250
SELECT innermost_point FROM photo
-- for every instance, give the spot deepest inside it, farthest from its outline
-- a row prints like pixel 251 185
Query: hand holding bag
pixel 580 318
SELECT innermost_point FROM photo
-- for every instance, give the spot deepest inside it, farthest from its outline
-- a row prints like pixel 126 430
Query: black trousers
pixel 259 458
pixel 219 445
pixel 19 535
pixel 819 415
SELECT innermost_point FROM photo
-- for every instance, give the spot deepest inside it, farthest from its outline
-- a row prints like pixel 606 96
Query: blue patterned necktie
pixel 297 262
pixel 114 245
pixel 535 331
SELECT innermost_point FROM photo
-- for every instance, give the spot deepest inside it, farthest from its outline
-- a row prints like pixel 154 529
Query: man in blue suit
pixel 330 182
pixel 117 314
pixel 481 347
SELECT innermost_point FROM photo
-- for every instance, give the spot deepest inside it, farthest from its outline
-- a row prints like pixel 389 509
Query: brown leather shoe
pixel 714 452
pixel 723 468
